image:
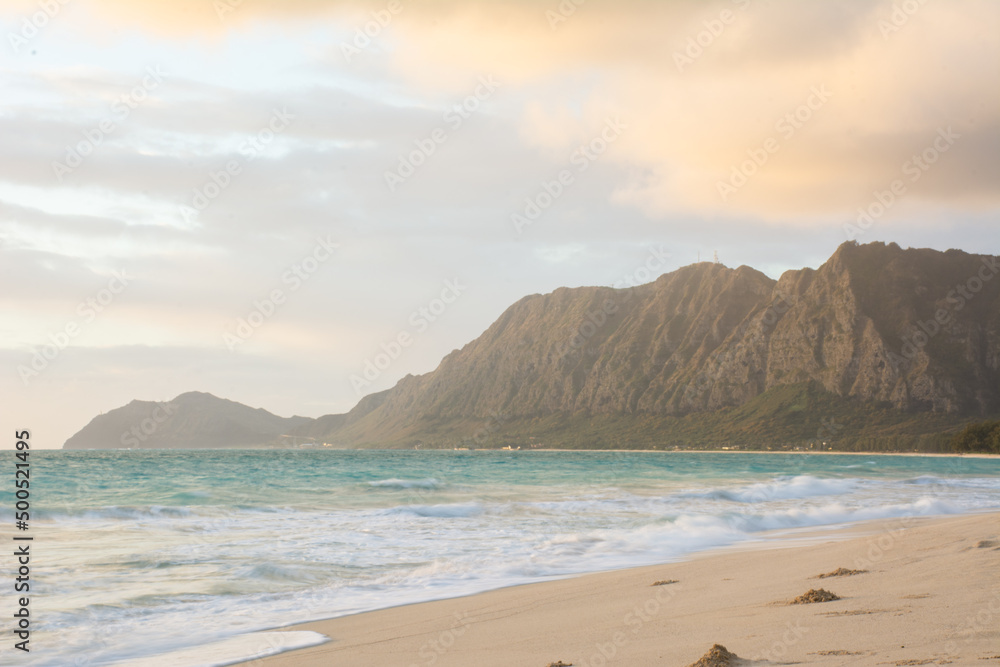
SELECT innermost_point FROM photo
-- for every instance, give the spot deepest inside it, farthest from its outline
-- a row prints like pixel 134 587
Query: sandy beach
pixel 930 594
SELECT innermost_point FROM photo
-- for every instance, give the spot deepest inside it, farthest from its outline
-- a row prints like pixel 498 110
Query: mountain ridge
pixel 902 342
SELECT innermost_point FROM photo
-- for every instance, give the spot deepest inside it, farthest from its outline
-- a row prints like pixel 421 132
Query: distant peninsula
pixel 194 420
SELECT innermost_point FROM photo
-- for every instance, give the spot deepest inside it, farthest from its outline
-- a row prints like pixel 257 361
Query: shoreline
pixel 581 619
pixel 966 455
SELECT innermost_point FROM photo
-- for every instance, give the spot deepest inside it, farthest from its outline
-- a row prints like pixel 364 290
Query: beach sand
pixel 931 595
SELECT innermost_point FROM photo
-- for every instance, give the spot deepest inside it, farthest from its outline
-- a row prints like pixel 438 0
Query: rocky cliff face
pixel 876 333
pixel 918 330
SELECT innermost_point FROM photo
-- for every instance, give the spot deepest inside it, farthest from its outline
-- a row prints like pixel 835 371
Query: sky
pixel 264 199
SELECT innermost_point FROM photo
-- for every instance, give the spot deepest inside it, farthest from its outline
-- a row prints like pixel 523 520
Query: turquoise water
pixel 137 553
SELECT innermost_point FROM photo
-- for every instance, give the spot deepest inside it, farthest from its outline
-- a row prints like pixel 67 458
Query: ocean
pixel 137 554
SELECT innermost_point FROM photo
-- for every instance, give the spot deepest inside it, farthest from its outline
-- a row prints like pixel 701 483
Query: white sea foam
pixel 394 483
pixel 451 511
pixel 967 482
pixel 230 651
pixel 786 488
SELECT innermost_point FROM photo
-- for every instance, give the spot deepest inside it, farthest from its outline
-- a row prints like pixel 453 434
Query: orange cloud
pixel 703 86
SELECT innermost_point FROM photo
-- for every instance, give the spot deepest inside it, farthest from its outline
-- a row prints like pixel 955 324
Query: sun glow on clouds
pixel 684 138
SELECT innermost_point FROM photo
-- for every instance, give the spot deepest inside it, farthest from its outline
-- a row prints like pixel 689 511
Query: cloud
pixel 701 85
pixel 700 104
pixel 699 88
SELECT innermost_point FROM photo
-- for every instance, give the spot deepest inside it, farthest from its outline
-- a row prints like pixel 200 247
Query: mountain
pixel 896 343
pixel 879 348
pixel 190 421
